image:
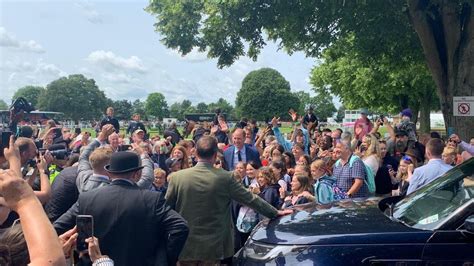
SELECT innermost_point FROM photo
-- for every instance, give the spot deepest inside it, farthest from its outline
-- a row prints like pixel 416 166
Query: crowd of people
pixel 162 200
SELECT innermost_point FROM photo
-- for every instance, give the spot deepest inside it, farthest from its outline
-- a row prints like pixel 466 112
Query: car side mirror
pixel 469 224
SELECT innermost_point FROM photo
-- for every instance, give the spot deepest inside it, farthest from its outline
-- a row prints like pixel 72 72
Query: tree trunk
pixel 446 33
pixel 425 110
pixel 415 108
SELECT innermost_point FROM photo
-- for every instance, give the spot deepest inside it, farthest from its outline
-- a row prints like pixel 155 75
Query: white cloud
pixel 9 40
pixel 31 72
pixel 92 15
pixel 119 77
pixel 112 62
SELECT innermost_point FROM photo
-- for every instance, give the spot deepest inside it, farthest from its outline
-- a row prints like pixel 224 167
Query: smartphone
pixel 85 229
pixel 389 167
pixel 124 147
pixel 6 139
pixel 77 130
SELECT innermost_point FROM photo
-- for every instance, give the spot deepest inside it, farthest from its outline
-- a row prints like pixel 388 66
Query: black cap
pixel 400 133
pixel 170 162
pixel 123 162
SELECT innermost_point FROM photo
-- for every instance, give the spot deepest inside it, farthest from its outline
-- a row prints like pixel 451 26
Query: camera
pixel 60 154
pixel 18 107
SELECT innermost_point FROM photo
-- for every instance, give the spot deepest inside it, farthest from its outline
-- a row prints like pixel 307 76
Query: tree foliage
pixel 76 96
pixel 122 109
pixel 264 94
pixel 30 93
pixel 138 107
pixel 321 103
pixel 3 105
pixel 180 109
pixel 380 85
pixel 201 107
pixel 441 32
pixel 224 106
pixel 156 105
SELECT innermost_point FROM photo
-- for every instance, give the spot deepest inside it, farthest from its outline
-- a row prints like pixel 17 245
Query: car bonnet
pixel 344 222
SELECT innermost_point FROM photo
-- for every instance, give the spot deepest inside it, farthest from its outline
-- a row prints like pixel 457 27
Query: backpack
pixel 246 220
pixel 369 178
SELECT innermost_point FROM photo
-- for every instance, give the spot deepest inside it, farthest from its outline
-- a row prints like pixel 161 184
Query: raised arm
pixel 45 193
pixel 147 176
pixel 41 239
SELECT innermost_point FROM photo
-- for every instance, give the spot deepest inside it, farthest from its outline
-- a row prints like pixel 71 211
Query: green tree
pixel 30 93
pixel 201 107
pixel 179 110
pixel 440 32
pixel 341 112
pixel 138 107
pixel 3 105
pixel 378 84
pixel 175 111
pixel 321 103
pixel 224 106
pixel 265 93
pixel 122 109
pixel 76 96
pixel 156 105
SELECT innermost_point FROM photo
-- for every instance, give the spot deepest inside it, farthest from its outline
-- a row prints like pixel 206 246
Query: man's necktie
pixel 239 156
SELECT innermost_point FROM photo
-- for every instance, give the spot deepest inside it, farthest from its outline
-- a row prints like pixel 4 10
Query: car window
pixel 431 205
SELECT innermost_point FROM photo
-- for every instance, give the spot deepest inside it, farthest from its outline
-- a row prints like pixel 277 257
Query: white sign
pixel 463 106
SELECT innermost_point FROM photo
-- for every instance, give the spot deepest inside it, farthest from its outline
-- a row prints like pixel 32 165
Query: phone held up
pixel 85 229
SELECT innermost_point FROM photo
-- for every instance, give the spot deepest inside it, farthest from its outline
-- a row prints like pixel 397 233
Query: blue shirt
pixel 425 174
pixel 243 156
pixel 346 175
pixel 287 145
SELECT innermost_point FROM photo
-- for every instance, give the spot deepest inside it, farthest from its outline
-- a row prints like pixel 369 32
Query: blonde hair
pixel 100 157
pixel 321 164
pixel 373 147
pixel 268 174
pixel 159 171
pixel 449 151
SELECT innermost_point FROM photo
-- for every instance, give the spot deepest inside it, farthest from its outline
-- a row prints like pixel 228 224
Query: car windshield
pixel 431 205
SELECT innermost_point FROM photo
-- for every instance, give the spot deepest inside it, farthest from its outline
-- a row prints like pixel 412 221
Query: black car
pixel 434 225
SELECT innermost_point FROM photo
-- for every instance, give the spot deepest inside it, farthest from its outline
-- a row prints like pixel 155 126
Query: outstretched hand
pixel 94 249
pixel 68 241
pixel 14 189
pixel 293 115
pixel 105 132
pixel 12 154
pixel 284 212
pixel 275 121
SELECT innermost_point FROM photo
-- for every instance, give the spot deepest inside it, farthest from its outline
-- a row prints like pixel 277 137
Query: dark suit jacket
pixel 63 193
pixel 134 226
pixel 251 154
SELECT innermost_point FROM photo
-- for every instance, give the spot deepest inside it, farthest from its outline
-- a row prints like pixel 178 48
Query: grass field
pixel 154 132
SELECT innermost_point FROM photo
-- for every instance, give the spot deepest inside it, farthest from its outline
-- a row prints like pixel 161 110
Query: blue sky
pixel 114 43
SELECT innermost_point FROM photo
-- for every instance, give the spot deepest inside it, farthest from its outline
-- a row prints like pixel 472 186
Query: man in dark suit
pixel 63 193
pixel 134 226
pixel 239 151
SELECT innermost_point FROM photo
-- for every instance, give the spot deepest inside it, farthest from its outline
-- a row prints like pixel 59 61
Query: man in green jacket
pixel 202 196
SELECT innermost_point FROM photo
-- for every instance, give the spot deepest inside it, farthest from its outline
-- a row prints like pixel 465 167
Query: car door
pixel 454 247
